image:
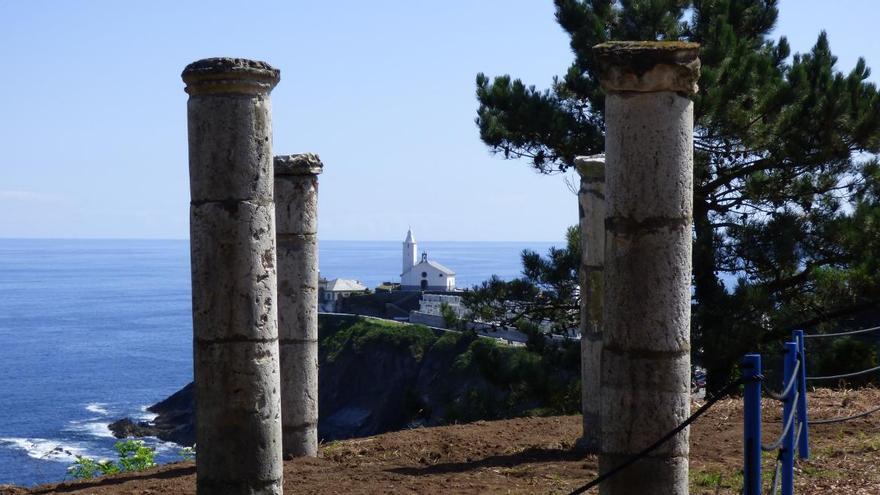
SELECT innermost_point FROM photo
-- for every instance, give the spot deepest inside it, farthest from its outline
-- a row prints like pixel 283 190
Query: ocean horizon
pixel 93 330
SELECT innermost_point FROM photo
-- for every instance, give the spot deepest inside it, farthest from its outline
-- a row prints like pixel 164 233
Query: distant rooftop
pixel 344 285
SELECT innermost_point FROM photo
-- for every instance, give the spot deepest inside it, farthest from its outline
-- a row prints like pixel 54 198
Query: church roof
pixel 344 285
pixel 436 265
pixel 409 237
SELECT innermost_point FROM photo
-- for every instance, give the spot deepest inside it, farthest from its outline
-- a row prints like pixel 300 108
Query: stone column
pixel 232 242
pixel 591 211
pixel 649 189
pixel 296 216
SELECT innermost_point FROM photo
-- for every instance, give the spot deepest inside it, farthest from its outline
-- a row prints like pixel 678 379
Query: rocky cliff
pixel 378 376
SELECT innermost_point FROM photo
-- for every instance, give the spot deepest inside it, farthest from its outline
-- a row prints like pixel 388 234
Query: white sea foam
pixel 50 450
pixel 95 428
pixel 146 415
pixel 98 408
pixel 163 447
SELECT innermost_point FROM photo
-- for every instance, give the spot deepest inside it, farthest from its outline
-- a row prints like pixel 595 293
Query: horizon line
pixel 5 238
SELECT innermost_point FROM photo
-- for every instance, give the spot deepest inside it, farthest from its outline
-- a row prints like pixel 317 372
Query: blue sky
pixel 94 114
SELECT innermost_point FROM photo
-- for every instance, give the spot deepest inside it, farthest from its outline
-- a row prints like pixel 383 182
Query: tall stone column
pixel 649 189
pixel 296 216
pixel 232 242
pixel 591 211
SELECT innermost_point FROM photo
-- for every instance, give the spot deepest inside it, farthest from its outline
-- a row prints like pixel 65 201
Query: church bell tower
pixel 410 250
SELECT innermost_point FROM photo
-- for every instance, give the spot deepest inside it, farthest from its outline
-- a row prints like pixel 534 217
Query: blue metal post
pixel 751 373
pixel 788 408
pixel 804 442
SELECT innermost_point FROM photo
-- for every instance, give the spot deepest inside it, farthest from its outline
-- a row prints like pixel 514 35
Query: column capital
pixel 591 167
pixel 648 66
pixel 299 164
pixel 224 75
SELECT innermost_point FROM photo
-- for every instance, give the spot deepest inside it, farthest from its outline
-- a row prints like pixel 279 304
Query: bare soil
pixel 536 455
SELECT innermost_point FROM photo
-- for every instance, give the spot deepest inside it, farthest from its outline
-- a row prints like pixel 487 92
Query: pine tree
pixel 785 195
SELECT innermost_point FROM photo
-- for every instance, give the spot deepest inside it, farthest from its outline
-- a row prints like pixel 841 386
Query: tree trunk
pixel 710 323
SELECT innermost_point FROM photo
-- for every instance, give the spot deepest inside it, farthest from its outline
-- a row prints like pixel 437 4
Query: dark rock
pixel 175 420
pixel 373 387
pixel 125 428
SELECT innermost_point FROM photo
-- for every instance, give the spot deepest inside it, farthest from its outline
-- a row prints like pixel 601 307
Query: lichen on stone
pixel 648 66
pixel 298 164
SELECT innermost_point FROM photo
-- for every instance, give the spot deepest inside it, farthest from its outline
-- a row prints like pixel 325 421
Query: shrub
pixel 134 455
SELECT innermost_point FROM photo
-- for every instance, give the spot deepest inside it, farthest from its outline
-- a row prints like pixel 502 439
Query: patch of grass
pixel 707 479
pixel 811 471
pixel 714 479
pixel 868 441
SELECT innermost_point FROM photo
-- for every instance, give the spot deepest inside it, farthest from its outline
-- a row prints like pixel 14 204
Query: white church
pixel 423 274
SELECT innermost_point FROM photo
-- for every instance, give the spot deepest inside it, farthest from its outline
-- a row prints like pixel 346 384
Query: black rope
pixel 781 396
pixel 841 334
pixel 724 392
pixel 778 443
pixel 842 419
pixel 845 375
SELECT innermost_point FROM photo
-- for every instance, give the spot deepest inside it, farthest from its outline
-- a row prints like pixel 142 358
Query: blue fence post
pixel 788 409
pixel 751 373
pixel 804 442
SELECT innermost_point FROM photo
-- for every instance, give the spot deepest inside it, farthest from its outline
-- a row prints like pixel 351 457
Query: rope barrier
pixel 843 419
pixel 788 388
pixel 774 484
pixel 778 443
pixel 845 375
pixel 841 334
pixel 724 392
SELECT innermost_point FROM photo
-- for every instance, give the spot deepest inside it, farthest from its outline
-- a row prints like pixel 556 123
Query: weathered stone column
pixel 649 188
pixel 232 241
pixel 591 211
pixel 296 217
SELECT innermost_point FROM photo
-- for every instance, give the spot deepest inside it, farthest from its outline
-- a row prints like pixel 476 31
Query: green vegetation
pixel 511 381
pixel 711 480
pixel 843 355
pixel 545 294
pixel 786 177
pixel 134 455
pixel 480 378
pixel 363 332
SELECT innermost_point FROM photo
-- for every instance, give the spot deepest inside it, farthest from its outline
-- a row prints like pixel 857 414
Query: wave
pixel 50 450
pixel 95 429
pixel 98 408
pixel 146 415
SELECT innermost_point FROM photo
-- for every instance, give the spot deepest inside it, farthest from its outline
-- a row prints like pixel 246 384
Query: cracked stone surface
pixel 645 358
pixel 296 206
pixel 233 256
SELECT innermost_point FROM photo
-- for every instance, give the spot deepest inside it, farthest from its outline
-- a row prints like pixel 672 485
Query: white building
pixel 432 304
pixel 423 274
pixel 331 291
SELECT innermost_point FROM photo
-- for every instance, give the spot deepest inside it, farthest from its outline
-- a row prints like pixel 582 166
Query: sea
pixel 95 330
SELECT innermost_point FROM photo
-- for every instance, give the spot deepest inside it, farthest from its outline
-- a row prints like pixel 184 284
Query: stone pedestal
pixel 232 239
pixel 591 212
pixel 649 190
pixel 296 214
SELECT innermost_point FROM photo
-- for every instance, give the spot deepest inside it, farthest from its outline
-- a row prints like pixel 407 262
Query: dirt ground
pixel 535 455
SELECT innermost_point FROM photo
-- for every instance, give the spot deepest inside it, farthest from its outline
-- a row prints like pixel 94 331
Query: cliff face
pixel 378 376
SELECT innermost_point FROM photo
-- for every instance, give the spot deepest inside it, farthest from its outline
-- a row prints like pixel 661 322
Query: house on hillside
pixel 331 292
pixel 423 274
